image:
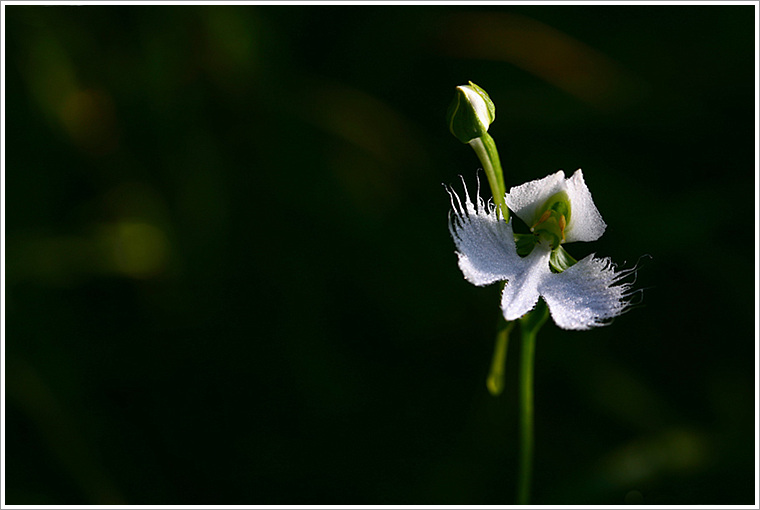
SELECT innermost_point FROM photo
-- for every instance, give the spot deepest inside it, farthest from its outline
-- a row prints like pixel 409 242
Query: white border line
pixel 757 254
pixel 2 259
pixel 383 2
pixel 4 3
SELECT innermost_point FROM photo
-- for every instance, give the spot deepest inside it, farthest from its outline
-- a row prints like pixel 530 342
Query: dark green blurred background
pixel 230 279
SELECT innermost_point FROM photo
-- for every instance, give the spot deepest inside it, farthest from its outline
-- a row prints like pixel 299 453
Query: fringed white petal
pixel 586 294
pixel 525 200
pixel 586 224
pixel 521 292
pixel 485 242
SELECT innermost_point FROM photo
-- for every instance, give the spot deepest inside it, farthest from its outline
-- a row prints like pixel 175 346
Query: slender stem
pixel 526 416
pixel 493 154
pixel 485 148
pixel 529 326
pixel 495 381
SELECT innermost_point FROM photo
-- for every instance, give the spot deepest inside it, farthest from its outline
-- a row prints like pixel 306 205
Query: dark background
pixel 230 280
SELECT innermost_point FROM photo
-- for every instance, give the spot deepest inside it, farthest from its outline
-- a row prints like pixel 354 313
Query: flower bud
pixel 470 113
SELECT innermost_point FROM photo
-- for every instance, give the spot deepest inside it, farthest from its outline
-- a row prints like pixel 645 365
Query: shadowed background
pixel 230 279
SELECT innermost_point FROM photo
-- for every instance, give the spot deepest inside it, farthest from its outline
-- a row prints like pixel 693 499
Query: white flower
pixel 558 210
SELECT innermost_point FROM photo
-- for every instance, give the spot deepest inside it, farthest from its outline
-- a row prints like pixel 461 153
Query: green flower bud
pixel 470 113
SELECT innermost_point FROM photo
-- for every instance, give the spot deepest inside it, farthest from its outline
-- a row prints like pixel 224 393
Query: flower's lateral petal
pixel 585 295
pixel 521 292
pixel 485 242
pixel 586 224
pixel 526 199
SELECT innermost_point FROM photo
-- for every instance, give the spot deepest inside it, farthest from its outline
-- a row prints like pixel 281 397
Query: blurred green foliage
pixel 230 281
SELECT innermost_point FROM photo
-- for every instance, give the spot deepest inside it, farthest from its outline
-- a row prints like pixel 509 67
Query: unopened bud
pixel 470 113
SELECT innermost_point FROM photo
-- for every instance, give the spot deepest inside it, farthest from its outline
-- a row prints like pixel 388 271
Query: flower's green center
pixel 550 226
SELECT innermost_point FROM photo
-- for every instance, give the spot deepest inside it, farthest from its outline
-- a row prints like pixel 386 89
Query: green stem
pixel 485 148
pixel 529 326
pixel 495 381
pixel 526 417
